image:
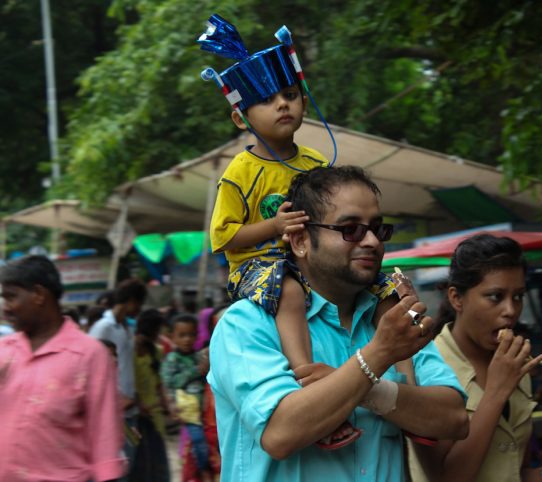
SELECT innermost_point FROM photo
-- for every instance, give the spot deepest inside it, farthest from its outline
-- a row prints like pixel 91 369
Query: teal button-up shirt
pixel 250 376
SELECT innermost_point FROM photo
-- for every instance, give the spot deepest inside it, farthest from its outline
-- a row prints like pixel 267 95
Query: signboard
pixel 84 279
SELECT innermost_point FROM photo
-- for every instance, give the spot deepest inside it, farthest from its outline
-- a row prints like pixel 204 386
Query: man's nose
pixel 369 239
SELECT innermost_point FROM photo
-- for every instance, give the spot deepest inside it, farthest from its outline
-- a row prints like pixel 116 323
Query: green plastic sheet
pixel 185 246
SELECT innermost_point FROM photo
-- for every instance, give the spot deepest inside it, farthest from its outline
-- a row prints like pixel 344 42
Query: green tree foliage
pixel 81 31
pixel 462 77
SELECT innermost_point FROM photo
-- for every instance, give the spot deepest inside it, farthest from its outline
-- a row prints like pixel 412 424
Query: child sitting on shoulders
pixel 251 214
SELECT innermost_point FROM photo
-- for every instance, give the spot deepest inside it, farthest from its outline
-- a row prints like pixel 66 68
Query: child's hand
pixel 312 372
pixel 287 222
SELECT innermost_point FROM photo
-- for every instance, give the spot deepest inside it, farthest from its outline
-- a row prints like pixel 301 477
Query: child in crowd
pixel 251 217
pixel 183 373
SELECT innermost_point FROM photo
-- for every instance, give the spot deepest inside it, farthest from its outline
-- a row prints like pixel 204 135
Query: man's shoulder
pixel 242 311
pixel 105 322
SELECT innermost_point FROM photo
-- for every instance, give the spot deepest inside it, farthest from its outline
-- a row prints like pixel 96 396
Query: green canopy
pixel 472 206
pixel 184 246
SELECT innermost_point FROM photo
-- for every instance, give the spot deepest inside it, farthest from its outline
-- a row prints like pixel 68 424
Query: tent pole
pixel 204 260
pixel 118 243
pixel 56 233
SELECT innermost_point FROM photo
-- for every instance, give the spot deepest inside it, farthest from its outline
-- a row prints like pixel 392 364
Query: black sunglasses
pixel 354 233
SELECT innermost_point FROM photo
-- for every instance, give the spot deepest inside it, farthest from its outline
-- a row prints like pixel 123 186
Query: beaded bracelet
pixel 365 368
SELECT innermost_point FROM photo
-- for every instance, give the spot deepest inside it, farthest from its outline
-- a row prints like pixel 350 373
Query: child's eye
pixel 519 297
pixel 291 95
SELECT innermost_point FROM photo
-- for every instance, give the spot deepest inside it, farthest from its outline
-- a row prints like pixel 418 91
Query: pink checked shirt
pixel 59 410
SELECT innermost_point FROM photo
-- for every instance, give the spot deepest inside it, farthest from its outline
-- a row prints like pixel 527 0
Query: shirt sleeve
pixel 104 417
pixel 229 215
pixel 432 370
pixel 248 367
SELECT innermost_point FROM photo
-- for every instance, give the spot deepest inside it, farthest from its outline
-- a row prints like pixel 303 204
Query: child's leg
pixel 296 345
pixel 292 323
pixel 199 446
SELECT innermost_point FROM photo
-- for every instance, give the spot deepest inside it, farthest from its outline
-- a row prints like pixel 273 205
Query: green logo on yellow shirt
pixel 270 205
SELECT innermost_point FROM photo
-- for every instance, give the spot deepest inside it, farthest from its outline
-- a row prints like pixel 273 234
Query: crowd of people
pixel 96 400
pixel 323 367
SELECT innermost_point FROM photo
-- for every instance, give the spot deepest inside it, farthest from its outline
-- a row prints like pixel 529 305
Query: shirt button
pixel 363 471
pixel 503 447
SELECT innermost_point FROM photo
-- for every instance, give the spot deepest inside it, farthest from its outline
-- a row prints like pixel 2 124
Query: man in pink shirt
pixel 59 402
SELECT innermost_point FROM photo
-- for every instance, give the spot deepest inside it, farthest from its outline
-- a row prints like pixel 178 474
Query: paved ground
pixel 173 456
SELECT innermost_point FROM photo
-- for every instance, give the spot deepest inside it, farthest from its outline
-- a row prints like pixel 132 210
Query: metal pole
pixel 118 244
pixel 51 87
pixel 204 260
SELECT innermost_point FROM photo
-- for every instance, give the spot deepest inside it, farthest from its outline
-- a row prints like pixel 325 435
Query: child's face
pixel 279 116
pixel 184 336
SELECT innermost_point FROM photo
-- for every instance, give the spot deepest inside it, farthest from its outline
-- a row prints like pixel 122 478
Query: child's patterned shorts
pixel 261 282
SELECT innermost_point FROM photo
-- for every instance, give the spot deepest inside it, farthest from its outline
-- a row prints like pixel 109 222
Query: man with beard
pixel 58 386
pixel 269 418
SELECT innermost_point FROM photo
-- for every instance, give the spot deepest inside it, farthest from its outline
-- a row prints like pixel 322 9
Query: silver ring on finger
pixel 416 317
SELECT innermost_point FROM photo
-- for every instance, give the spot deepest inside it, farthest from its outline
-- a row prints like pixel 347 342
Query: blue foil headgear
pixel 255 77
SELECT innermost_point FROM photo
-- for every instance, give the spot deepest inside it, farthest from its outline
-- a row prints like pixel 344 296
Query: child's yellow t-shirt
pixel 251 190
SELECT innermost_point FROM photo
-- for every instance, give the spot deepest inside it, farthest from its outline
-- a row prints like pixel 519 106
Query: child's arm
pixel 284 222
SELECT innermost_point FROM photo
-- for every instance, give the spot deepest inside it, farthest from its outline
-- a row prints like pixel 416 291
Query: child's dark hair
pixel 478 255
pixel 185 318
pixel 148 324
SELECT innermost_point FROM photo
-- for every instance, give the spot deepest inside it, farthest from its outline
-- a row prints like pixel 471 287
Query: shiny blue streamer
pixel 222 38
pixel 260 76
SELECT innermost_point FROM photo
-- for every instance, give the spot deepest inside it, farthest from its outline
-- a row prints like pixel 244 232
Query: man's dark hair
pixel 106 299
pixel 311 191
pixel 130 289
pixel 29 271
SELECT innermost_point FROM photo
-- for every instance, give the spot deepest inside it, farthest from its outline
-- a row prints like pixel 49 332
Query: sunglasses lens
pixel 354 232
pixel 384 232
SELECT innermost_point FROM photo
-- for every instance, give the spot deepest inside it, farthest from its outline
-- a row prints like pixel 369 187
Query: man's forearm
pixel 435 412
pixel 307 415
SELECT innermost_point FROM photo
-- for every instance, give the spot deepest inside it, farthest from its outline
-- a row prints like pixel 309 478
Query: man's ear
pixel 40 294
pixel 299 242
pixel 455 299
pixel 236 118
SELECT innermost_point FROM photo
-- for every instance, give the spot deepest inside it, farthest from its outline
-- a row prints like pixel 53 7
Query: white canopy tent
pixel 405 174
pixel 181 198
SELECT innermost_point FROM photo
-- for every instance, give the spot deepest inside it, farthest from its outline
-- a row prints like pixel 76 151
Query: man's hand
pixel 287 222
pixel 396 337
